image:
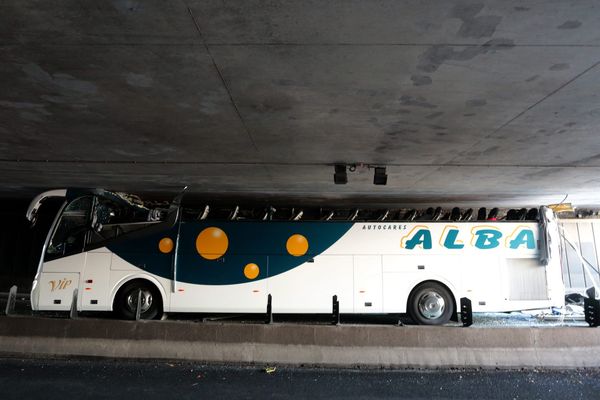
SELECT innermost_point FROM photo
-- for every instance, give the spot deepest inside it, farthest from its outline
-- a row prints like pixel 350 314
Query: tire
pixel 126 300
pixel 430 304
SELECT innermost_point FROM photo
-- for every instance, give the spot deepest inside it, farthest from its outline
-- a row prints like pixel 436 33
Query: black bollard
pixel 466 312
pixel 269 319
pixel 73 311
pixel 11 301
pixel 336 311
pixel 138 308
pixel 591 308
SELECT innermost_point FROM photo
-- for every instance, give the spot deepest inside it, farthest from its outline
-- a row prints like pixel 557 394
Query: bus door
pixel 64 258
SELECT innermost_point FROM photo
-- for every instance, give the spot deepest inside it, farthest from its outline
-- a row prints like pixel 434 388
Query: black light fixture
pixel 340 177
pixel 380 177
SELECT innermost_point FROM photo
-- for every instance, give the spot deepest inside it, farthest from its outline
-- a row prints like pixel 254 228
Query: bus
pixel 112 248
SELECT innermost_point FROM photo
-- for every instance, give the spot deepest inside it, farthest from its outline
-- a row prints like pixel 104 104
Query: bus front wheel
pixel 430 303
pixel 126 300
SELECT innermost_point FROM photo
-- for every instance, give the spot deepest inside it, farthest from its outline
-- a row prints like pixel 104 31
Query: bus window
pixel 69 236
pixel 111 219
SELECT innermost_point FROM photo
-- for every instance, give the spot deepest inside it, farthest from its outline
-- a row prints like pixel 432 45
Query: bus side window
pixel 69 236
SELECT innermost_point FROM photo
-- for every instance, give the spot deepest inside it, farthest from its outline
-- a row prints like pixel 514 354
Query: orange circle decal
pixel 165 245
pixel 251 271
pixel 297 245
pixel 212 243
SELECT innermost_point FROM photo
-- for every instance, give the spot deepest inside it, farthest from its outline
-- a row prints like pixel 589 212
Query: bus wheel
pixel 430 304
pixel 126 300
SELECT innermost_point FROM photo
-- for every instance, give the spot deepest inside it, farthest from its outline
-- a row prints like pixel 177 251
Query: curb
pixel 319 345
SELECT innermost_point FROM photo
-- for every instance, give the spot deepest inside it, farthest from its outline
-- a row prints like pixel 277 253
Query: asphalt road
pixel 113 379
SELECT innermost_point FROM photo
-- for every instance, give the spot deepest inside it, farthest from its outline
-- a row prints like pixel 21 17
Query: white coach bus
pixel 110 248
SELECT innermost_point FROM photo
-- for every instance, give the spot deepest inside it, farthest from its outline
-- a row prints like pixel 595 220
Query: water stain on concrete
pixel 274 102
pixel 420 80
pixel 490 150
pixel 397 138
pixel 211 103
pixel 138 80
pixel 543 173
pixel 30 116
pixel 36 73
pixel 402 132
pixel 66 85
pixel 532 78
pixel 518 8
pixel 571 24
pixel 472 25
pixel 284 82
pixel 476 103
pixel 589 159
pixel 434 115
pixel 126 6
pixel 439 127
pixel 430 60
pixel 54 99
pixel 27 111
pixel 570 124
pixel 559 67
pixel 73 84
pixel 416 102
pixel 20 105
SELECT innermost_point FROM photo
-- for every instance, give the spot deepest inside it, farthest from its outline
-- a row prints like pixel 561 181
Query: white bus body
pixel 232 266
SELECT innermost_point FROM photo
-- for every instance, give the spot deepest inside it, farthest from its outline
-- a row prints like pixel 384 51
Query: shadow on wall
pixel 20 243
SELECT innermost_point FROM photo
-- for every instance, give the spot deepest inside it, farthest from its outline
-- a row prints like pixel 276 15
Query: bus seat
pixel 455 214
pixel 467 215
pixel 532 214
pixel 481 214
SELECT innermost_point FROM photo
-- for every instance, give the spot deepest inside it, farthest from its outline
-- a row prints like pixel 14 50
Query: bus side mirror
pixel 33 218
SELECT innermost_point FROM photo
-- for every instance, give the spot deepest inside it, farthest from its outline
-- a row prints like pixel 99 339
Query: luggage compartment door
pixel 368 290
pixel 95 281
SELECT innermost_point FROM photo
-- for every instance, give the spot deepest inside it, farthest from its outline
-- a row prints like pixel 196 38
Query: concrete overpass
pixel 465 102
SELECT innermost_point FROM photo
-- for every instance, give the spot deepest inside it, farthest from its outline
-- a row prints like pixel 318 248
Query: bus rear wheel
pixel 126 300
pixel 430 304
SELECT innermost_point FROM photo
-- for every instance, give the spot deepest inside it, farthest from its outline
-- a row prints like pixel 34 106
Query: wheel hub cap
pixel 431 305
pixel 146 300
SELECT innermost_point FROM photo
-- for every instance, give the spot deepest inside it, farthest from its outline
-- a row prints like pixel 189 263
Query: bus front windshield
pixel 69 236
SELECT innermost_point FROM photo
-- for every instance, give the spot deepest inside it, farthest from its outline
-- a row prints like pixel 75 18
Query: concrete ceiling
pixel 464 102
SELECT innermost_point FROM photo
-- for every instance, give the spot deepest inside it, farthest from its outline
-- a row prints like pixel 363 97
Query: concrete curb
pixel 341 346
